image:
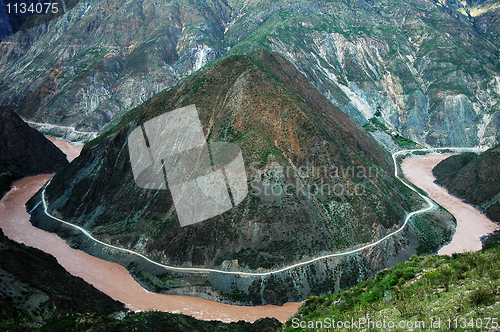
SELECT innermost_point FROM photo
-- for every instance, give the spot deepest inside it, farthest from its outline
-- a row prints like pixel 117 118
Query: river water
pixel 471 224
pixel 114 280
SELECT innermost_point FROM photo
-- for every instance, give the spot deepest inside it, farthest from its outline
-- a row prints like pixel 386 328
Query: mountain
pixel 421 294
pixel 93 64
pixel 475 178
pixel 38 294
pixel 318 183
pixel 24 151
pixel 430 68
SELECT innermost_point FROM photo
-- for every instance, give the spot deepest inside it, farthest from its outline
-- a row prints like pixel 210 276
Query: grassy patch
pixel 423 288
pixel 379 124
pixel 370 127
pixel 405 142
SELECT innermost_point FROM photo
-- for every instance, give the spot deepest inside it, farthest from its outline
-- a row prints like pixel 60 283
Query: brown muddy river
pixel 111 278
pixel 471 224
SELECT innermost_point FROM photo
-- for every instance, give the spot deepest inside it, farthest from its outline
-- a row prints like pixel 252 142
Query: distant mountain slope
pixel 291 137
pixel 475 178
pixel 24 151
pixel 418 63
pixel 98 63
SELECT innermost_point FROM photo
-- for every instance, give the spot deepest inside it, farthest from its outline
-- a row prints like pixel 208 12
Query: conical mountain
pixel 317 181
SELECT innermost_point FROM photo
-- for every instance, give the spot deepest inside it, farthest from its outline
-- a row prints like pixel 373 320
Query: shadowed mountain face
pixel 36 287
pixel 475 178
pixel 429 68
pixel 290 137
pixel 24 151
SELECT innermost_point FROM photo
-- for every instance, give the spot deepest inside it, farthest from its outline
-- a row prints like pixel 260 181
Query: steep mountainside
pixel 425 293
pixel 37 294
pixel 317 181
pixel 475 178
pixel 24 151
pixel 419 63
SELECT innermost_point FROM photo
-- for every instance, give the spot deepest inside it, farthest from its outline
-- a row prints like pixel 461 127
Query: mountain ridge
pixel 417 63
pixel 474 178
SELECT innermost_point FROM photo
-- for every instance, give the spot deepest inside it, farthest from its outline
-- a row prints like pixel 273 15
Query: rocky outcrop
pixel 24 151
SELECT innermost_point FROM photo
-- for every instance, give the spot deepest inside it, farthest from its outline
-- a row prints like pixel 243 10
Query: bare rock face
pixel 25 151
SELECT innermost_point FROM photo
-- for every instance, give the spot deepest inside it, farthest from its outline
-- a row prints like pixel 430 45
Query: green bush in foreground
pixel 459 293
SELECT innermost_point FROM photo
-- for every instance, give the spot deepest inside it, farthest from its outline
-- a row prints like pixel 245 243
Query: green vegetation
pixel 454 289
pixel 405 142
pixel 379 124
pixel 370 127
pixel 240 297
pixel 432 234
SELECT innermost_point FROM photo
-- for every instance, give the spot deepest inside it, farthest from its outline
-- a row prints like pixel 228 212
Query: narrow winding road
pixel 430 206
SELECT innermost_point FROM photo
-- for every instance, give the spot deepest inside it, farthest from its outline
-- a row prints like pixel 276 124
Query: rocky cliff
pixel 430 68
pixel 318 183
pixel 24 151
pixel 475 178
